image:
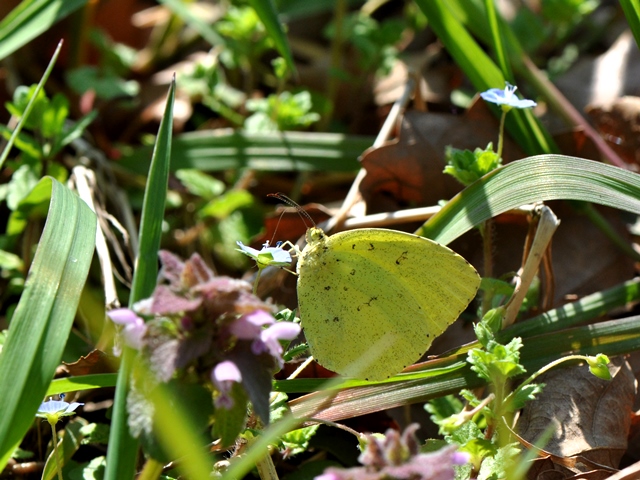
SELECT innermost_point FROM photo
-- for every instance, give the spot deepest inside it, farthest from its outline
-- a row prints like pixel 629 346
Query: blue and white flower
pixel 53 410
pixel 507 98
pixel 275 256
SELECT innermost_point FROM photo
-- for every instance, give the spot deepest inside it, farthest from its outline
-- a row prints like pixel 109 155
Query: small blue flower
pixel 507 98
pixel 53 410
pixel 276 256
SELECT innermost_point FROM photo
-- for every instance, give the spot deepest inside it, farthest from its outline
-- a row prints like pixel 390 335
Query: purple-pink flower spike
pixel 249 326
pixel 134 327
pixel 270 338
pixel 224 375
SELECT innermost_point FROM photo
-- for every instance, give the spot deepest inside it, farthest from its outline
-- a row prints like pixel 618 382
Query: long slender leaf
pixel 68 446
pixel 631 9
pixel 182 10
pixel 82 382
pixel 123 447
pixel 41 323
pixel 30 19
pixel 534 179
pixel 269 17
pixel 613 337
pixel 30 105
pixel 569 315
pixel 215 150
pixel 482 71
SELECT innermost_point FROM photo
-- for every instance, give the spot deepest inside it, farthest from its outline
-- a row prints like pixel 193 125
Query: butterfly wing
pixel 373 300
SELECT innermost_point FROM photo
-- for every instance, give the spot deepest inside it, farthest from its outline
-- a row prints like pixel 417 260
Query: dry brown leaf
pixel 94 362
pixel 584 260
pixel 602 80
pixel 619 124
pixel 593 415
pixel 408 169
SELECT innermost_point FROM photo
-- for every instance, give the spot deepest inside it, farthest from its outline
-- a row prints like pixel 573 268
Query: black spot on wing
pixel 402 257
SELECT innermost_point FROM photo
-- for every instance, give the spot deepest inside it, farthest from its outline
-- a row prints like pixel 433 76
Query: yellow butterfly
pixel 373 300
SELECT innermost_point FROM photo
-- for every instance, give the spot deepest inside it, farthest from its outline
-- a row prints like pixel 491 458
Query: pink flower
pixel 269 340
pixel 224 375
pixel 134 327
pixel 249 326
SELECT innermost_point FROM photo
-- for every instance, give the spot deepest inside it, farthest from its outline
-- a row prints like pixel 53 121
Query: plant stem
pixel 501 133
pixel 55 450
pixel 336 62
pixel 151 470
pixel 486 230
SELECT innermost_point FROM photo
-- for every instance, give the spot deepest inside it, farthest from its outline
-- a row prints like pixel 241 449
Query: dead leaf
pixel 579 267
pixel 93 363
pixel 593 415
pixel 600 81
pixel 619 125
pixel 408 170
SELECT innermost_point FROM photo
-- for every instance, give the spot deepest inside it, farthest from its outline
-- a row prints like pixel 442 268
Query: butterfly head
pixel 314 235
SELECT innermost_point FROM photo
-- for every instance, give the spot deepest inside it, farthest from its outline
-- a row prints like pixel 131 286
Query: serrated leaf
pixel 297 441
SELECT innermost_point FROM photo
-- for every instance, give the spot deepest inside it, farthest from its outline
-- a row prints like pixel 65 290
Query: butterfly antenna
pixel 275 230
pixel 291 203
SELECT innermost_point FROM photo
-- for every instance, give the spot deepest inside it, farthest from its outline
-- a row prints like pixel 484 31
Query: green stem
pixel 266 468
pixel 151 471
pixel 336 61
pixel 486 230
pixel 255 283
pixel 501 133
pixel 55 450
pixel 123 448
pixel 544 369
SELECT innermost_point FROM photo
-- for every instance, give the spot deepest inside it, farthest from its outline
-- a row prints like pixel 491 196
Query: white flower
pixel 53 410
pixel 507 98
pixel 278 257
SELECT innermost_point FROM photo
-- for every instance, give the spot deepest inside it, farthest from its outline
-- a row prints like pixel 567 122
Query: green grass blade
pixel 146 272
pixel 123 447
pixel 82 382
pixel 68 446
pixel 497 40
pixel 631 9
pixel 30 105
pixel 30 19
pixel 571 314
pixel 211 150
pixel 614 337
pixel 41 323
pixel 269 17
pixel 481 69
pixel 180 8
pixel 534 179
